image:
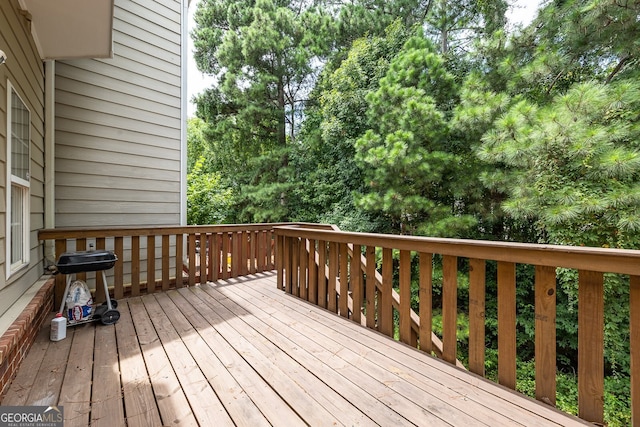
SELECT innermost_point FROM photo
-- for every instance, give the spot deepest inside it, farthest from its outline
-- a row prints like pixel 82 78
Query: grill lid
pixel 76 262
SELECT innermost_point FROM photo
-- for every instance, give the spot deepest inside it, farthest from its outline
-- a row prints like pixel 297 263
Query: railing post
pixel 279 260
pixel 356 284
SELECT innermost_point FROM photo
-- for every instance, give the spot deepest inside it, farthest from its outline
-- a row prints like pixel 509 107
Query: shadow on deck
pixel 242 352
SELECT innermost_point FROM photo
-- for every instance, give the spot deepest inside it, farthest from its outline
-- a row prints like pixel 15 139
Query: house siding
pixel 118 124
pixel 25 71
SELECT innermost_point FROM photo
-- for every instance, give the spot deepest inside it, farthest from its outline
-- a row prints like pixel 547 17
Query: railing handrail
pixel 604 260
pixel 158 230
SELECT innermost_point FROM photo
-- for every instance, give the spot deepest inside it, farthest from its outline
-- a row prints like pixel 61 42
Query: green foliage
pixel 568 166
pixel 405 153
pixel 208 201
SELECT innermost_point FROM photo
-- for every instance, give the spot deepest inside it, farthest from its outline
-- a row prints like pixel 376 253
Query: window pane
pixel 19 138
pixel 17 224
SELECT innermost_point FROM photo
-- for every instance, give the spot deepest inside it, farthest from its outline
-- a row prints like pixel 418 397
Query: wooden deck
pixel 241 352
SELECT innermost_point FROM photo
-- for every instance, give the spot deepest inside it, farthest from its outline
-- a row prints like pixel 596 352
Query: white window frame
pixel 12 266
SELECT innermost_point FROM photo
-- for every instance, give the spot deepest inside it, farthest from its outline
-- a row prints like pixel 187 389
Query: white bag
pixel 79 302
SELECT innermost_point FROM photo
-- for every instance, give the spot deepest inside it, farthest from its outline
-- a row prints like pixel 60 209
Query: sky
pixel 522 12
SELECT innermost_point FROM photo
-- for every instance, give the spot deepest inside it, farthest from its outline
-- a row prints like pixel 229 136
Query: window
pixel 18 158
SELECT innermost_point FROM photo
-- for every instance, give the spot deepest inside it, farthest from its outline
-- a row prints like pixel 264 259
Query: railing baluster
pixel 151 264
pixel 303 258
pixel 262 250
pixel 386 306
pixel 166 279
pixel 634 338
pixel 179 259
pixel 224 262
pixel 191 248
pixel 477 301
pixel 507 324
pixel 356 284
pixel 235 254
pixel 218 259
pixel 313 273
pixel 244 249
pixel 449 308
pixel 295 267
pixel 135 266
pixel 322 273
pixel 212 264
pixel 591 346
pixel 270 249
pixel 333 275
pixel 425 300
pixel 253 254
pixel 405 296
pixel 118 269
pixel 203 258
pixel 343 302
pixel 545 321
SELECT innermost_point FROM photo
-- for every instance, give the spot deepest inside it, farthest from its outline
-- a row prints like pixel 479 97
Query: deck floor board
pixel 240 352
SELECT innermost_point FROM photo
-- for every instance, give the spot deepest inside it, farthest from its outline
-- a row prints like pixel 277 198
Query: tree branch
pixel 618 67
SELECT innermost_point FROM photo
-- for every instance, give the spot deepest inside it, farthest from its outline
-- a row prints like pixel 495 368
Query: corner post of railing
pixel 279 259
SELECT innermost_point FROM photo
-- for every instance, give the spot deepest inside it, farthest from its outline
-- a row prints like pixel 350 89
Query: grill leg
pixel 106 290
pixel 64 296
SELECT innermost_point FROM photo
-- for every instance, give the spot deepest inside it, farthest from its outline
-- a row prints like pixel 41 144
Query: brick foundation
pixel 17 340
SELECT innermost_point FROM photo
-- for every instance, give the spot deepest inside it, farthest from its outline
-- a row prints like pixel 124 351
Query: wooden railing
pixel 337 270
pixel 151 259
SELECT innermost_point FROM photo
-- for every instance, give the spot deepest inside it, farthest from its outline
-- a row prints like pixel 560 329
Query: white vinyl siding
pixel 24 71
pixel 118 124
